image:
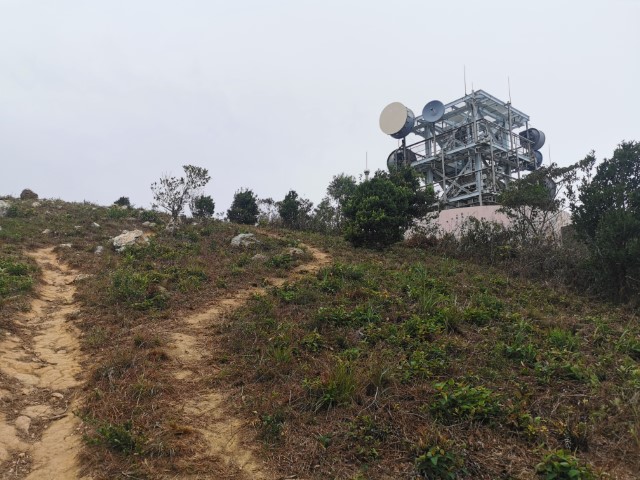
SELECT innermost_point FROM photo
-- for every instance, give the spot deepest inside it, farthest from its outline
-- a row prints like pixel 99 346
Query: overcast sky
pixel 99 98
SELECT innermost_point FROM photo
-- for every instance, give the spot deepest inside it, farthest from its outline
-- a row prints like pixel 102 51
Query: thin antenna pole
pixel 509 86
pixel 465 80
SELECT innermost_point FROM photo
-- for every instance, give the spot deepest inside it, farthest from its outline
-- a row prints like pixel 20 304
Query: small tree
pixel 267 211
pixel 383 208
pixel 340 190
pixel 244 208
pixel 172 194
pixel 324 217
pixel 534 204
pixel 606 215
pixel 202 206
pixel 123 202
pixel 294 211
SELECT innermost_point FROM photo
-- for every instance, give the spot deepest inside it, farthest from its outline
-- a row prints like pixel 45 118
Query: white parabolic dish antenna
pixel 396 120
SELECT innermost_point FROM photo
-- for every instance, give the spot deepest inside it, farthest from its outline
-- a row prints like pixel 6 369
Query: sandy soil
pixel 40 375
pixel 227 437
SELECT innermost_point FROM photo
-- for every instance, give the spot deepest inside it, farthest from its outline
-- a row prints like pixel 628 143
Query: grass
pixel 402 364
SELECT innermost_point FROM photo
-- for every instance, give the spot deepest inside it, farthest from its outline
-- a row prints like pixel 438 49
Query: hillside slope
pixel 300 357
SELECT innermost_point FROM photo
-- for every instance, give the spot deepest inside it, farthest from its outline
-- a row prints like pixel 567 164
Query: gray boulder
pixel 4 206
pixel 244 240
pixel 128 238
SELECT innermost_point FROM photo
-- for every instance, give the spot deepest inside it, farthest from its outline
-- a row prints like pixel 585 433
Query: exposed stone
pixel 295 251
pixel 259 256
pixel 46 231
pixel 82 276
pixel 4 206
pixel 244 240
pixel 95 225
pixel 128 238
pixel 23 424
pixel 27 194
pixel 78 227
pixel 57 395
pixel 65 245
pixel 149 224
pixel 99 249
pixel 35 204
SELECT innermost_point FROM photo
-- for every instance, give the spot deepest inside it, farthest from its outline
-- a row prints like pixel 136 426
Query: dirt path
pixel 206 410
pixel 39 371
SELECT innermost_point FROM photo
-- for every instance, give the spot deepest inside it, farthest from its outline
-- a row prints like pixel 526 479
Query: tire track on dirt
pixel 41 364
pixel 205 410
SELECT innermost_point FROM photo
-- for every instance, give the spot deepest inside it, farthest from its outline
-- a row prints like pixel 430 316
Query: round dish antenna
pixel 532 137
pixel 397 120
pixel 433 111
pixel 401 157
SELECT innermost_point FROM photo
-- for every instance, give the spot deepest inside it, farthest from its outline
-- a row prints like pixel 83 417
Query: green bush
pixel 437 462
pixel 460 401
pixel 14 277
pixel 120 438
pixel 337 388
pixel 560 465
pixel 383 208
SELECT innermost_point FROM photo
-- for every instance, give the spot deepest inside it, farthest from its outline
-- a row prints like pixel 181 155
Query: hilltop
pixel 296 356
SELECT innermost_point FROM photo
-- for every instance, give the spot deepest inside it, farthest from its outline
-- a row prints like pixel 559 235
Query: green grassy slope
pixel 382 365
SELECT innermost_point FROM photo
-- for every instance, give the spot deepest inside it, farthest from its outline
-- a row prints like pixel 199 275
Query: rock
pixel 78 227
pixel 244 240
pixel 23 423
pixel 46 231
pixel 35 204
pixel 82 276
pixel 128 238
pixel 259 256
pixel 99 249
pixel 57 395
pixel 65 245
pixel 4 206
pixel 27 194
pixel 95 225
pixel 293 251
pixel 149 224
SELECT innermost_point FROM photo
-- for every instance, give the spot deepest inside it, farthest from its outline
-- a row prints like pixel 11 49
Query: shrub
pixel 118 437
pixel 202 206
pixel 383 208
pixel 337 388
pixel 14 277
pixel 560 465
pixel 123 202
pixel 439 462
pixel 244 208
pixel 460 401
pixel 606 215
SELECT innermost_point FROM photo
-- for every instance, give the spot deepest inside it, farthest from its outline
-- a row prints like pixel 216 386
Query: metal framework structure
pixel 470 150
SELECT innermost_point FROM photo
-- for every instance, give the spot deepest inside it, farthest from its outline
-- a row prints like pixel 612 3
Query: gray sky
pixel 99 98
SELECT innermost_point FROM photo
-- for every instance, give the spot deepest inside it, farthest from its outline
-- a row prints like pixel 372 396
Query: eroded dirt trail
pixel 205 409
pixel 40 369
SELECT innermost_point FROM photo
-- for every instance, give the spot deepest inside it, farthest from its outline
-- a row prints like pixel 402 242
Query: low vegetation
pixel 451 358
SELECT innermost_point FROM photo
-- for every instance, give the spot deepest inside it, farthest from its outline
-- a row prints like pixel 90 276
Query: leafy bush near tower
pixel 380 210
pixel 606 216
